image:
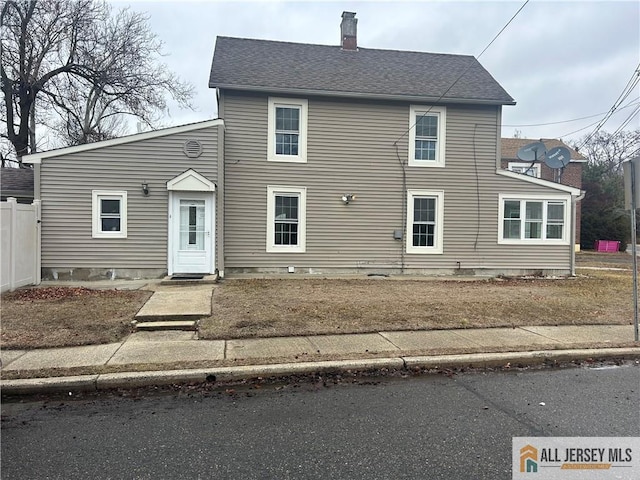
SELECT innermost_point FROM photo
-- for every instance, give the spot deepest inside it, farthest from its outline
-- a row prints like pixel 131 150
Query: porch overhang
pixel 191 181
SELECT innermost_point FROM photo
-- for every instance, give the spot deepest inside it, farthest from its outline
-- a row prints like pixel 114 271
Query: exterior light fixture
pixel 348 198
pixel 145 188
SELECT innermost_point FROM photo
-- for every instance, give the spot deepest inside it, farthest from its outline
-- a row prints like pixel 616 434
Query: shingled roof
pixel 283 67
pixel 16 182
pixel 510 147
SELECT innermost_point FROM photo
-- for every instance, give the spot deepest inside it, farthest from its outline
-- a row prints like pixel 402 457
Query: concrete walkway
pixel 177 303
pixel 163 350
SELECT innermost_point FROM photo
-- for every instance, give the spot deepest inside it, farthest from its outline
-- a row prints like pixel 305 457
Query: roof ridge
pixel 339 48
pixel 277 66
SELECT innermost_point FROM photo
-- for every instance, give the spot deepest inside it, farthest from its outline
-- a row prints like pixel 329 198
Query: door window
pixel 192 231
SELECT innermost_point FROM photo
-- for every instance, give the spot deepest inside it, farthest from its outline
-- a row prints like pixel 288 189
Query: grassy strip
pixel 263 308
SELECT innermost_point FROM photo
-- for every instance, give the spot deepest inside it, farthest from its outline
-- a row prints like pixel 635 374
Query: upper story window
pixel 109 214
pixel 531 169
pixel 287 130
pixel 427 127
pixel 425 215
pixel 286 219
pixel 533 220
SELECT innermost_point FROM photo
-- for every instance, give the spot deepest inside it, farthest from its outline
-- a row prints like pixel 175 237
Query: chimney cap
pixel 348 31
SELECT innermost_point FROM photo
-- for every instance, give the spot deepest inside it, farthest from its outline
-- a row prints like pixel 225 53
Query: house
pixel 570 175
pixel 17 183
pixel 325 159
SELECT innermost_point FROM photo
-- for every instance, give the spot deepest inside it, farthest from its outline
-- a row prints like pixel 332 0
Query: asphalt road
pixel 430 427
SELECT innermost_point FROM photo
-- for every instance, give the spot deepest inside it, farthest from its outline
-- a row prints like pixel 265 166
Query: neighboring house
pixel 326 159
pixel 17 183
pixel 570 175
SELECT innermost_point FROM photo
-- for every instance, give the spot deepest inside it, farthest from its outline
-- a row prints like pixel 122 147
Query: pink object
pixel 607 246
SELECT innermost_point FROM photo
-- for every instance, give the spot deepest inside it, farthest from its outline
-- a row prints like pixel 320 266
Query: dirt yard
pixel 255 308
pixel 67 316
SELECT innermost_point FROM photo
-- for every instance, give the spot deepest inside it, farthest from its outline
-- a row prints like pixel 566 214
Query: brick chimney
pixel 349 31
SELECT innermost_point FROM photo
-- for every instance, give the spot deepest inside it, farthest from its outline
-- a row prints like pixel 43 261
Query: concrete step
pixel 166 325
pixel 169 317
pixel 184 280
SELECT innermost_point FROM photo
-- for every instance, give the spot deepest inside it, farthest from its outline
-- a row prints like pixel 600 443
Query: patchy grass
pixel 67 316
pixel 259 307
pixel 604 260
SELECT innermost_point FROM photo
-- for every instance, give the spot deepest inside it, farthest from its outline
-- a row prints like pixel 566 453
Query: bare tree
pixel 72 66
pixel 608 151
pixel 603 212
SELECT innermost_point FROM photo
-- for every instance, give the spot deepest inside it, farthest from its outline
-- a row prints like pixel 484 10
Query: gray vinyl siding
pixel 67 182
pixel 351 150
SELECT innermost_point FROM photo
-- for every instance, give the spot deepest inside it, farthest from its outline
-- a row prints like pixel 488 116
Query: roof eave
pixel 374 96
pixel 539 181
pixel 516 159
pixel 35 158
pixel 6 192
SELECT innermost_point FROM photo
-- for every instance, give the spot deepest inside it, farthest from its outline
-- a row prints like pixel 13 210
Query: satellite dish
pixel 532 152
pixel 558 157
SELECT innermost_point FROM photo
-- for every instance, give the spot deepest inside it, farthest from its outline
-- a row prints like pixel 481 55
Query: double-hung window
pixel 425 214
pixel 287 130
pixel 533 220
pixel 427 127
pixel 286 219
pixel 533 170
pixel 109 214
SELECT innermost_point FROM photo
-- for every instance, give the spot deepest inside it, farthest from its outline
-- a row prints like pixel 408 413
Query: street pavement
pixel 457 426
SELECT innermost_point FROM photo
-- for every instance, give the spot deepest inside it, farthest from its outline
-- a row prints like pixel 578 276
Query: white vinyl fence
pixel 19 244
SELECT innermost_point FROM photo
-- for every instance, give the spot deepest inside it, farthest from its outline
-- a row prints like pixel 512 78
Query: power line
pixel 627 120
pixel 626 91
pixel 596 122
pixel 464 72
pixel 633 102
pixel 622 160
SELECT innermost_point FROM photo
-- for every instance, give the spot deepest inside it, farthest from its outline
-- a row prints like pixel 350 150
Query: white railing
pixel 19 244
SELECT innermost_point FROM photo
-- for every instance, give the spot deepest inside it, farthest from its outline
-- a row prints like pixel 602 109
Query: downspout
pixel 37 202
pixel 221 194
pixel 572 243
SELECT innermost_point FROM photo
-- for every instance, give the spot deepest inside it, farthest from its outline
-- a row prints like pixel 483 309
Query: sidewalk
pixel 151 358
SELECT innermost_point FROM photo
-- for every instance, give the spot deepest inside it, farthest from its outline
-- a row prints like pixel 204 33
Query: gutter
pixel 374 96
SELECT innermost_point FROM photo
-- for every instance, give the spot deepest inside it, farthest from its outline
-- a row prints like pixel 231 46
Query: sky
pixel 560 61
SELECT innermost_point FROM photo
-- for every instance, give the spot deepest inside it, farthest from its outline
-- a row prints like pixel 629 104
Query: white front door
pixel 191 228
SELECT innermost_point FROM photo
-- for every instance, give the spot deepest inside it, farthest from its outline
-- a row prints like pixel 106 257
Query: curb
pixel 221 374
pixel 524 358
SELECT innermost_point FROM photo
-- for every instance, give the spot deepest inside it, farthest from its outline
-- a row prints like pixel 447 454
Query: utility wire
pixel 622 160
pixel 579 130
pixel 626 122
pixel 626 91
pixel 471 64
pixel 632 103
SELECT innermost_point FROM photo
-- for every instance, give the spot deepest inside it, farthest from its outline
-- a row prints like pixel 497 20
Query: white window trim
pixel 300 103
pixel 535 241
pixel 441 113
pixel 272 191
pixel 96 196
pixel 439 234
pixel 537 168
